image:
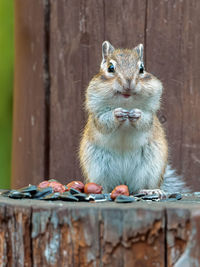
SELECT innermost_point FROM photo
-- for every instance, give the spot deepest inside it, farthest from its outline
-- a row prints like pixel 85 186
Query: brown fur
pixel 104 95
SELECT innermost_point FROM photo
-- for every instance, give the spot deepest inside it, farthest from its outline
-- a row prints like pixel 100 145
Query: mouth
pixel 125 94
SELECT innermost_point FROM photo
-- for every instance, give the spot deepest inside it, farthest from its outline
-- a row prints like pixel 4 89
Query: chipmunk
pixel 123 141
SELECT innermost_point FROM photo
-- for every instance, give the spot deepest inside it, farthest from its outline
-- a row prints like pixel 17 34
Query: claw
pixel 134 114
pixel 150 192
pixel 121 114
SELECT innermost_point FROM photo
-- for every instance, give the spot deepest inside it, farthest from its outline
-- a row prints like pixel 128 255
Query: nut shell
pixel 119 190
pixel 57 187
pixel 92 188
pixel 78 185
pixel 43 184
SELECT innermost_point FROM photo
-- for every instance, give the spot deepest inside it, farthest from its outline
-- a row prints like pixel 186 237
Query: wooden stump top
pixel 47 233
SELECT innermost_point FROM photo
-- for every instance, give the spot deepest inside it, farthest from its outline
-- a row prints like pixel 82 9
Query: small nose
pixel 129 80
pixel 129 83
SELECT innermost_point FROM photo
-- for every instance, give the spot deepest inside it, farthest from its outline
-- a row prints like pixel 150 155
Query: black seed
pixel 74 191
pixel 125 199
pixel 5 193
pixel 150 197
pixel 32 189
pixel 68 197
pixel 81 197
pixel 97 196
pixel 53 196
pixel 178 196
pixel 139 195
pixel 18 195
pixel 41 193
pixel 107 196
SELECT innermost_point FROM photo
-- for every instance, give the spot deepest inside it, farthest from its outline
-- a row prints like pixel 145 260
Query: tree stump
pixel 39 233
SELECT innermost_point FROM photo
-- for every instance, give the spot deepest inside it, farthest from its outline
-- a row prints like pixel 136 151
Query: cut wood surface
pixel 58 50
pixel 46 233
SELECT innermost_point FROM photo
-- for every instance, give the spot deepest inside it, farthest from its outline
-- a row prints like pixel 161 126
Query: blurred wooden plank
pixel 44 144
pixel 172 49
pixel 28 162
pixel 125 22
pixel 75 56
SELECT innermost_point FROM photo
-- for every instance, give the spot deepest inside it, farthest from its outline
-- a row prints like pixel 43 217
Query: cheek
pixel 149 87
pixel 155 86
pixel 138 87
pixel 117 85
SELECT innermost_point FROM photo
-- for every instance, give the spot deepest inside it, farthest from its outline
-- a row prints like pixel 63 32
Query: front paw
pixel 134 115
pixel 121 114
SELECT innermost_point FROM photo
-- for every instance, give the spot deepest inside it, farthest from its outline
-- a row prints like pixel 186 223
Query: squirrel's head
pixel 125 69
pixel 123 79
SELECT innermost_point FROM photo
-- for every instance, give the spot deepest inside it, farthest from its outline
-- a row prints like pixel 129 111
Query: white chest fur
pixel 124 159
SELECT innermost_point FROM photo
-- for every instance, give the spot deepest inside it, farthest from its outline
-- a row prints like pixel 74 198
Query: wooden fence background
pixel 58 50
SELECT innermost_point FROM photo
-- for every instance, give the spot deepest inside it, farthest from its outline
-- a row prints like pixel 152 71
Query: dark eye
pixel 111 68
pixel 141 71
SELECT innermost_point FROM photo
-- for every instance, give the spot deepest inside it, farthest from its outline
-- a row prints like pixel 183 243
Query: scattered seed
pixel 53 196
pixel 68 197
pixel 41 193
pixel 125 199
pixel 74 191
pixel 150 197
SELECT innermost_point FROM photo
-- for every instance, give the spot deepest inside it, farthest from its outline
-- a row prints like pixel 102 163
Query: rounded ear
pixel 107 49
pixel 140 49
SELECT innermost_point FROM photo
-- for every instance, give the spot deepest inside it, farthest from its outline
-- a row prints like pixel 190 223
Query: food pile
pixel 77 191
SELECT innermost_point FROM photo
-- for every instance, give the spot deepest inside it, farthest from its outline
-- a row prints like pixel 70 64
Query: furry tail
pixel 173 183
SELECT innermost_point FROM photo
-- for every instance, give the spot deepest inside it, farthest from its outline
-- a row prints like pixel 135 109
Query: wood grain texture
pixel 38 233
pixel 15 232
pixel 75 56
pixel 172 49
pixel 28 162
pixel 132 237
pixel 47 125
pixel 45 233
pixel 64 235
pixel 182 236
pixel 124 22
